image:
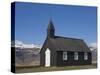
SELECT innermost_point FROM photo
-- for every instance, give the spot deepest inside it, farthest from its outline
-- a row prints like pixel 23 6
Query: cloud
pixel 21 44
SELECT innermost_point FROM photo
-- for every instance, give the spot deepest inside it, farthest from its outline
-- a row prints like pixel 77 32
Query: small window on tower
pixel 64 55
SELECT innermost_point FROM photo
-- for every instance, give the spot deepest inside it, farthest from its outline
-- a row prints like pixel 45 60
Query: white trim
pixel 47 57
pixel 75 55
pixel 85 56
pixel 65 56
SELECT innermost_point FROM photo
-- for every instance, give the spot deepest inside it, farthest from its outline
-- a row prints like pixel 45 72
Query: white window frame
pixel 75 55
pixel 65 57
pixel 85 56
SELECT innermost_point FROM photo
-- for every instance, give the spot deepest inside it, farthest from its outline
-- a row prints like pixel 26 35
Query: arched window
pixel 64 55
pixel 75 55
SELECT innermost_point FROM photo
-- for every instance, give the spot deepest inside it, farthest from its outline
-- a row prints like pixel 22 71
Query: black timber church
pixel 63 51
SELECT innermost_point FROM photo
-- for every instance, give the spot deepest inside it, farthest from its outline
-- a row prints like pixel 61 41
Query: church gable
pixel 47 44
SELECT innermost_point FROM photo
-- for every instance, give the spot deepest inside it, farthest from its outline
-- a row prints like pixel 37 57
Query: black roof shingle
pixel 69 44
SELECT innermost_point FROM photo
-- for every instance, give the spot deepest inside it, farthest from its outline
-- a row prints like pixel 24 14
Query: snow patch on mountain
pixel 93 46
pixel 20 44
pixel 26 54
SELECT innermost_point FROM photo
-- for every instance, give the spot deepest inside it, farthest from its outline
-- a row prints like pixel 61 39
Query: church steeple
pixel 50 30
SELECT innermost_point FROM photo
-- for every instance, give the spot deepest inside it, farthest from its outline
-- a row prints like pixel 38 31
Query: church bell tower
pixel 50 30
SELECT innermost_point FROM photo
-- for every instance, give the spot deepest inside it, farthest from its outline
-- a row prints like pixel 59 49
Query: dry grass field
pixel 26 69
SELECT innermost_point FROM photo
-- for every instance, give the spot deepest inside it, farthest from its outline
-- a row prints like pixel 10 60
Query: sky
pixel 31 22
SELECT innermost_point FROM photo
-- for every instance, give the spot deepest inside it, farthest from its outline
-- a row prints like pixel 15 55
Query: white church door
pixel 47 58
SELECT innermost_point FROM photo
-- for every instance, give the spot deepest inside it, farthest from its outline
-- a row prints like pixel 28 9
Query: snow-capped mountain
pixel 20 44
pixel 26 54
pixel 93 48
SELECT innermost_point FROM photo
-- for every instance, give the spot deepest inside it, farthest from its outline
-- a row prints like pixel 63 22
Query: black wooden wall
pixel 57 57
pixel 70 61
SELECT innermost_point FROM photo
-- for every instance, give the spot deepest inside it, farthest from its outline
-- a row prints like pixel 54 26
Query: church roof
pixel 58 43
pixel 68 44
